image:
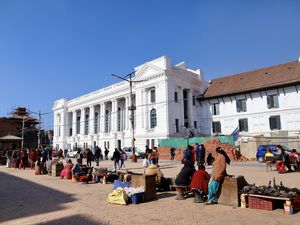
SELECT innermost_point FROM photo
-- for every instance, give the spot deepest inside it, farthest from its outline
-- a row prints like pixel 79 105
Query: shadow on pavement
pixel 22 198
pixel 74 220
pixel 166 195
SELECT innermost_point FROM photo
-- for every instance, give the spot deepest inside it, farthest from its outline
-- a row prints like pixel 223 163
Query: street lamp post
pixel 132 107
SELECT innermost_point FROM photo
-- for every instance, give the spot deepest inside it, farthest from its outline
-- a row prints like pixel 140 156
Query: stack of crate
pixel 260 203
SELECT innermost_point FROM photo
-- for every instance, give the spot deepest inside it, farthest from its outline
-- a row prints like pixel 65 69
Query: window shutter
pixel 276 102
pixel 238 105
pixel 244 106
pixel 271 123
pixel 246 125
pixel 269 102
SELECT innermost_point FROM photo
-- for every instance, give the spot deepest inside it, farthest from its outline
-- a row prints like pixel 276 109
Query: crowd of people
pixel 204 187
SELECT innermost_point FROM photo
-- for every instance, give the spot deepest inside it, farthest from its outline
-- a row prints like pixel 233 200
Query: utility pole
pixel 40 114
pixel 39 132
pixel 23 126
pixel 132 107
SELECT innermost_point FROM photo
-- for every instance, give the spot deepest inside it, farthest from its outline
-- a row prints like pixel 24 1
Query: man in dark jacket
pixel 89 158
pixel 97 155
pixel 201 155
pixel 116 158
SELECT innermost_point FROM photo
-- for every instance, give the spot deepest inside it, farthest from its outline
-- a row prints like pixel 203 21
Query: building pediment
pixel 147 70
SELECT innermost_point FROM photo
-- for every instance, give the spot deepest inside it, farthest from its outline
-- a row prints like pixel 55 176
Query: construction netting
pixel 183 142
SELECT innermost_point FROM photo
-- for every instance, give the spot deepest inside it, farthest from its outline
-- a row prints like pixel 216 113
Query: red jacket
pixel 200 180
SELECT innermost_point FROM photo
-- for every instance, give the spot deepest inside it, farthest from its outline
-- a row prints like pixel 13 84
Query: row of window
pixel 274 123
pixel 241 106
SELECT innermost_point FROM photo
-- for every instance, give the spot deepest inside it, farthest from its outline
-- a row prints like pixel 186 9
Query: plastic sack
pixel 145 162
pixel 118 196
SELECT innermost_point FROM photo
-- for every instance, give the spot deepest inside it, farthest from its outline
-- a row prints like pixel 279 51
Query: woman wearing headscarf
pixel 67 171
pixel 217 177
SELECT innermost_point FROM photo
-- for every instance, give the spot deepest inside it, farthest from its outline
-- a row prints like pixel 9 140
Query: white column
pixel 102 118
pixel 91 122
pixel 82 121
pixel 190 108
pixel 63 124
pixel 145 109
pixel 74 117
pixel 126 113
pixel 116 115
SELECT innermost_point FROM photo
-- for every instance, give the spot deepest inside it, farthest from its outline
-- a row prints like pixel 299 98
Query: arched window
pixel 153 118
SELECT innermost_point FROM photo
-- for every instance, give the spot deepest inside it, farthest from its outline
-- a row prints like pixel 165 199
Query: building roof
pixel 266 78
pixel 10 137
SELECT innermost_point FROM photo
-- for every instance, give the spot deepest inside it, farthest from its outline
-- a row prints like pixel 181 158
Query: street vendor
pixel 153 169
pixel 76 170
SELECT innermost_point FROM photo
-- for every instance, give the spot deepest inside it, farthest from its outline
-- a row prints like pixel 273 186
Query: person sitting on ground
pixel 153 169
pixel 184 178
pixel 76 171
pixel 199 184
pixel 218 175
pixel 66 172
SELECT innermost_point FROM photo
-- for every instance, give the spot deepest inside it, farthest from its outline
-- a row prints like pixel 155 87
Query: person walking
pixel 33 158
pixel 172 153
pixel 201 155
pixel 122 158
pixel 97 155
pixel 106 151
pixel 116 158
pixel 197 149
pixel 89 158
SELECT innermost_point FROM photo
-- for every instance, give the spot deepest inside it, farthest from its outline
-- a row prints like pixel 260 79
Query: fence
pixel 182 142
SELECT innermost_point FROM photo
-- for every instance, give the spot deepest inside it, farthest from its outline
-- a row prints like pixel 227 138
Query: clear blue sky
pixel 65 48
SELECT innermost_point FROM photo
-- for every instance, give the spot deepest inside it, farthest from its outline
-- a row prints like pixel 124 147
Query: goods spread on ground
pixel 272 190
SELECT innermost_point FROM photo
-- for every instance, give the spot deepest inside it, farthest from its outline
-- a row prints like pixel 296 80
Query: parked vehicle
pixel 261 151
pixel 139 153
pixel 71 153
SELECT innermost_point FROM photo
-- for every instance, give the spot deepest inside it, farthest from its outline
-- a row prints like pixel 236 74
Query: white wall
pixel 257 113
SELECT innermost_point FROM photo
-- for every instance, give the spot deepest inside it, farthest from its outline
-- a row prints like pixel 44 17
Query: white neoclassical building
pixel 166 106
pixel 260 102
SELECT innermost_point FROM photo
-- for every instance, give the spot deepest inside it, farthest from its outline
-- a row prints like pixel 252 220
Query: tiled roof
pixel 10 137
pixel 265 78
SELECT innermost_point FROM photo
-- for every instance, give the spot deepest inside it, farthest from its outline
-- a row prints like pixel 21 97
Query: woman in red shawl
pixel 33 158
pixel 199 184
pixel 67 171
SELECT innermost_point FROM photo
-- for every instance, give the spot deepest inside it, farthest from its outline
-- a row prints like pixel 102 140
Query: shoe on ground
pixel 180 197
